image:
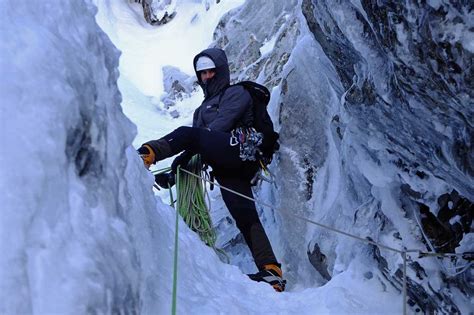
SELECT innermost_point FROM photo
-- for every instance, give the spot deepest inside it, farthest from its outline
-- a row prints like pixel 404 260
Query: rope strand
pixel 194 209
pixel 420 252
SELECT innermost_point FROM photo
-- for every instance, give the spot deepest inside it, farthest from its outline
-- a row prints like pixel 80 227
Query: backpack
pixel 262 121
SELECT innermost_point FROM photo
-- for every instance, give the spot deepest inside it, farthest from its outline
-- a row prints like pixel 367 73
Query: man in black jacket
pixel 222 126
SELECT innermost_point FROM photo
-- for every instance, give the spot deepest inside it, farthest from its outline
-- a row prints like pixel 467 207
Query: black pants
pixel 216 149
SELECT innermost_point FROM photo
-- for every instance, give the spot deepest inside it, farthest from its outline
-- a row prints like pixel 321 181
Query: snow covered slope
pixel 82 232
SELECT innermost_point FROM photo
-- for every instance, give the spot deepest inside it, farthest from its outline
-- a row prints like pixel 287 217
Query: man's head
pixel 212 70
pixel 205 68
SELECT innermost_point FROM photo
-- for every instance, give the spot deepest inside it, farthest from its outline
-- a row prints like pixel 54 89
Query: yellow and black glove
pixel 147 155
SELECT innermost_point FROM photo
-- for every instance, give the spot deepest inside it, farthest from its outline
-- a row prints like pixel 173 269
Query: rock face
pixel 158 12
pixel 177 84
pixel 374 104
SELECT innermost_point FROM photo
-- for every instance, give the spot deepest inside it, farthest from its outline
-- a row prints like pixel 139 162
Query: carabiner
pixel 233 141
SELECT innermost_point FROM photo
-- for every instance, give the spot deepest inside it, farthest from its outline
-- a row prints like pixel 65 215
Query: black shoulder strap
pixel 255 89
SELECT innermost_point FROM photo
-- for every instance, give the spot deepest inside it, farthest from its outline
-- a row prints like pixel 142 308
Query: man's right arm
pixel 196 116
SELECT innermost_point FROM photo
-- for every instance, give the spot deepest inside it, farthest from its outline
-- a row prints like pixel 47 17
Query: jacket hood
pixel 222 78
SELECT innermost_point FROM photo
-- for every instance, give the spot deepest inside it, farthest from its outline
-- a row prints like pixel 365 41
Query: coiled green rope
pixel 191 204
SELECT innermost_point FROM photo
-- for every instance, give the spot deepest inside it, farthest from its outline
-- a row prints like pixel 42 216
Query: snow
pixel 268 45
pixel 212 287
pixel 146 49
pixel 81 230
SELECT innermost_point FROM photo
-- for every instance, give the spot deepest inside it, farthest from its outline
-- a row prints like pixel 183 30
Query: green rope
pixel 175 259
pixel 192 204
pixel 192 207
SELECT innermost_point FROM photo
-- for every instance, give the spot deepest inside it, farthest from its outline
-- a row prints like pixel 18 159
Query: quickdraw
pixel 249 140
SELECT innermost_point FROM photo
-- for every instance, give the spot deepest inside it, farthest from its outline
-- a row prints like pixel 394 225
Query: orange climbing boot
pixel 272 275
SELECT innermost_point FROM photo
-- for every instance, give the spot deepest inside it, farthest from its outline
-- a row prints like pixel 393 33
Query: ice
pixel 269 45
pixel 64 227
pixel 82 230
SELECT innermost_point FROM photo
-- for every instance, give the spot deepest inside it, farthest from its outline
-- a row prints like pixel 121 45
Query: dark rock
pixel 81 148
pixel 318 260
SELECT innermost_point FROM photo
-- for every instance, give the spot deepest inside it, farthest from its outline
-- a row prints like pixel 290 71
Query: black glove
pixel 181 160
pixel 143 150
pixel 165 180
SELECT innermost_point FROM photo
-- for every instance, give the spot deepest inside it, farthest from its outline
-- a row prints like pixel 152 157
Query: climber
pixel 219 125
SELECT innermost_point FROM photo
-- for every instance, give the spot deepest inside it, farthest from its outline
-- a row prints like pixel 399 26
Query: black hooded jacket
pixel 222 111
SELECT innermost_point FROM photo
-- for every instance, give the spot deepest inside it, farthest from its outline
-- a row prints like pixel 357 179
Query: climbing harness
pixel 249 140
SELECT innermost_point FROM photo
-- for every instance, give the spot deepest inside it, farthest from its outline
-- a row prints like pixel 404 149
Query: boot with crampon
pixel 272 275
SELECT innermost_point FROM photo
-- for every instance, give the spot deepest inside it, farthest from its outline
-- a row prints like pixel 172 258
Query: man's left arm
pixel 234 103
